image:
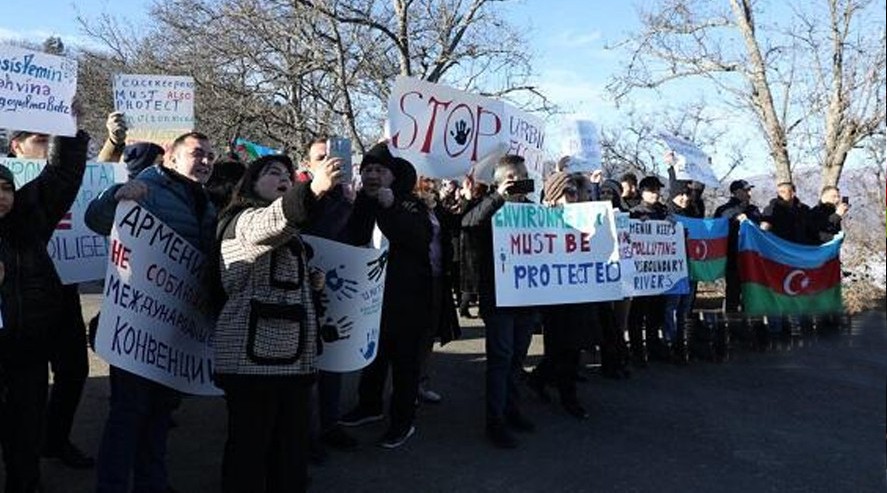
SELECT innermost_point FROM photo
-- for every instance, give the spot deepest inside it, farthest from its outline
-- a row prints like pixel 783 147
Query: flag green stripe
pixel 707 270
pixel 760 300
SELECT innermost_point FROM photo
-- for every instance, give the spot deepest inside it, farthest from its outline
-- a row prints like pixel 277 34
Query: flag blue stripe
pixel 705 229
pixel 753 238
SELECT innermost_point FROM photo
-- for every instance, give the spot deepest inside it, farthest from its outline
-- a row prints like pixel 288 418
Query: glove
pixel 68 151
pixel 116 126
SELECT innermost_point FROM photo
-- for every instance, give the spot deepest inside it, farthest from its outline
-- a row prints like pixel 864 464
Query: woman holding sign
pixel 265 338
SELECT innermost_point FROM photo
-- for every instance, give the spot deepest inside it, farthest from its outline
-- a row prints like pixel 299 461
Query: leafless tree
pixel 813 81
pixel 283 71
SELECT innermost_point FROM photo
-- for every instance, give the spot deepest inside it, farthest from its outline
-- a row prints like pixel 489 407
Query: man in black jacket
pixel 739 208
pixel 33 302
pixel 508 331
pixel 786 216
pixel 826 216
pixel 68 357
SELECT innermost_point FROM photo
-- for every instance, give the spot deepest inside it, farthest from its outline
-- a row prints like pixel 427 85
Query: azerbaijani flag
pixel 249 151
pixel 706 246
pixel 781 277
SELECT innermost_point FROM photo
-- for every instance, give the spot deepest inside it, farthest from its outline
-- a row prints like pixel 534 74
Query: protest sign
pixel 157 108
pixel 582 143
pixel 348 335
pixel 555 255
pixel 690 162
pixel 155 320
pixel 654 258
pixel 36 91
pixel 444 131
pixel 79 254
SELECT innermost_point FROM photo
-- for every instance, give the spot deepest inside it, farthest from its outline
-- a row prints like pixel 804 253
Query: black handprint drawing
pixel 370 348
pixel 377 267
pixel 332 331
pixel 343 288
pixel 462 132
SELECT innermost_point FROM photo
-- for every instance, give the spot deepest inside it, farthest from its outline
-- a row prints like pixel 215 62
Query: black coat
pixel 469 259
pixel 32 292
pixel 788 220
pixel 477 229
pixel 647 211
pixel 730 210
pixel 823 223
pixel 408 281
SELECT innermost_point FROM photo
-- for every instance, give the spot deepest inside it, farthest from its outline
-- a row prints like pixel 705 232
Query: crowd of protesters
pixel 282 411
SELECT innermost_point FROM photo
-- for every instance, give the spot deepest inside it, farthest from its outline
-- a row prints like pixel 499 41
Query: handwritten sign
pixel 690 162
pixel 555 255
pixel 154 319
pixel 36 91
pixel 582 143
pixel 348 335
pixel 157 108
pixel 78 253
pixel 443 132
pixel 654 258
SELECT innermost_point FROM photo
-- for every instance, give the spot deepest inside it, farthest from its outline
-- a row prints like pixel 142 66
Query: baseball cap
pixel 740 185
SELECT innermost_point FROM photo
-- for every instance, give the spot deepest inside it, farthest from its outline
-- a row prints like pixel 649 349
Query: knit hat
pixel 6 175
pixel 555 185
pixel 139 156
pixel 612 186
pixel 379 154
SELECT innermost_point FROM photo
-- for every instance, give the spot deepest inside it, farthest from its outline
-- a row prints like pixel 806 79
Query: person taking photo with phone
pixel 826 216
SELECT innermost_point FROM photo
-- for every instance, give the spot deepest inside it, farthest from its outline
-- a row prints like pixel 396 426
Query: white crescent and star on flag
pixel 795 282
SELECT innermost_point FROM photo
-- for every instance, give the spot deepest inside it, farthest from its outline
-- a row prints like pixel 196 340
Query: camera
pixel 525 186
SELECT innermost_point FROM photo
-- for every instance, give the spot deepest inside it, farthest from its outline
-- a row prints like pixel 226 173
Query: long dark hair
pixel 244 195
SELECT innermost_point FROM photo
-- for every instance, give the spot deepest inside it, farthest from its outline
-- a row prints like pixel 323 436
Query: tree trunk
pixel 761 96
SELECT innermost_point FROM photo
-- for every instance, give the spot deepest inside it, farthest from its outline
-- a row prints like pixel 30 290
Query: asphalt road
pixel 805 418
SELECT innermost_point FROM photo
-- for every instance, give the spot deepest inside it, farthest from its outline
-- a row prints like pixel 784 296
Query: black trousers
pixel 647 314
pixel 267 447
pixel 401 350
pixel 70 367
pixel 22 420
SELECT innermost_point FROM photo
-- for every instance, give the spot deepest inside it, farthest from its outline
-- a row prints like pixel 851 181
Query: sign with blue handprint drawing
pixel 351 311
pixel 444 132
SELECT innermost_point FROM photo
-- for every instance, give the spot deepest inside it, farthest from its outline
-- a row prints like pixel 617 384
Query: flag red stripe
pixel 775 276
pixel 707 249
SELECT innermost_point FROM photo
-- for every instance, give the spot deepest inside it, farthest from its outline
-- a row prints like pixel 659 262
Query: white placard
pixel 36 91
pixel 79 254
pixel 555 255
pixel 654 258
pixel 443 132
pixel 348 334
pixel 690 162
pixel 157 108
pixel 155 318
pixel 582 143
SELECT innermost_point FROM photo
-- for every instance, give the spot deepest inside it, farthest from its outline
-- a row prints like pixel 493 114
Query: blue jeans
pixel 134 439
pixel 677 307
pixel 508 332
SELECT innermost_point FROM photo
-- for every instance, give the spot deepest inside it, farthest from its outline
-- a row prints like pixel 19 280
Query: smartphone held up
pixel 340 147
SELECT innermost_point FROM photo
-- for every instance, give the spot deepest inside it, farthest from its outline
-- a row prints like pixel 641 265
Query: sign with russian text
pixel 79 254
pixel 157 108
pixel 555 255
pixel 155 320
pixel 443 132
pixel 350 311
pixel 654 258
pixel 582 143
pixel 36 91
pixel 690 162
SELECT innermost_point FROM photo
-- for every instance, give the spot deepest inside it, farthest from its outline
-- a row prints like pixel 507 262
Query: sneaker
pixel 429 396
pixel 359 416
pixel 519 422
pixel 69 455
pixel 499 435
pixel 339 439
pixel 393 439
